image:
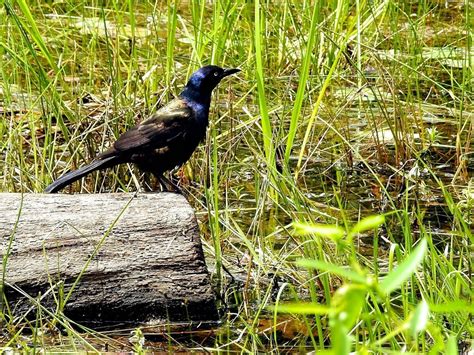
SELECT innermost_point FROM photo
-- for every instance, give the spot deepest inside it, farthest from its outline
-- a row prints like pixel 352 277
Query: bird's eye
pixel 216 73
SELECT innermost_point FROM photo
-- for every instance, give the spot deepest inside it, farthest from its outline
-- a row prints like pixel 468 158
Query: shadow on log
pixel 112 257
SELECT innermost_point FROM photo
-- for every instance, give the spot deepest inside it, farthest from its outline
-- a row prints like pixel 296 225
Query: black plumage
pixel 166 139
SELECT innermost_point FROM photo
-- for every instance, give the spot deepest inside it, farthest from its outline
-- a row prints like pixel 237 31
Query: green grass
pixel 367 108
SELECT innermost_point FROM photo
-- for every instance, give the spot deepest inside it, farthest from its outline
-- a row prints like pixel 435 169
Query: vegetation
pixel 336 182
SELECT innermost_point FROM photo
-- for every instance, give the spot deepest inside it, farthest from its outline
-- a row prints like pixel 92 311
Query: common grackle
pixel 166 139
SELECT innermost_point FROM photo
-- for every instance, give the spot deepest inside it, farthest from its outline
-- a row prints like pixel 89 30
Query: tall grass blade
pixel 262 101
pixel 303 78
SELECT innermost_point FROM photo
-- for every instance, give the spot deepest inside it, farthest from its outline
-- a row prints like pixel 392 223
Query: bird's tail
pixel 74 175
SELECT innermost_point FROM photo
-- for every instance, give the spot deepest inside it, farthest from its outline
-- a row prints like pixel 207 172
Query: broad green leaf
pixel 302 308
pixel 452 346
pixel 348 301
pixel 334 269
pixel 323 230
pixel 404 270
pixel 419 318
pixel 455 306
pixel 368 223
pixel 341 341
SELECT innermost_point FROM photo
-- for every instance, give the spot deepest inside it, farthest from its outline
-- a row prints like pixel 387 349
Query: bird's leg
pixel 166 184
pixel 148 184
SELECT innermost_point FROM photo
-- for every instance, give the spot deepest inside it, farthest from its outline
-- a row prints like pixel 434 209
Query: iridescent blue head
pixel 203 81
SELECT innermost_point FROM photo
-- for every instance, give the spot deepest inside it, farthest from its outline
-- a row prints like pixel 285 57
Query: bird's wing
pixel 167 124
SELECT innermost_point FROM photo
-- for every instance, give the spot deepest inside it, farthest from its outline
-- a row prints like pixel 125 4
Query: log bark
pixel 127 258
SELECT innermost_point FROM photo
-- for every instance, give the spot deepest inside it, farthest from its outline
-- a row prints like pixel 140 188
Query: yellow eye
pixel 216 73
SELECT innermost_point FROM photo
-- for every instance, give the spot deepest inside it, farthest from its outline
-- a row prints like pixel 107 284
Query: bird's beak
pixel 228 72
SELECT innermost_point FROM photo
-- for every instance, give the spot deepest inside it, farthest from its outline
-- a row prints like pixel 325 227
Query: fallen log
pixel 108 257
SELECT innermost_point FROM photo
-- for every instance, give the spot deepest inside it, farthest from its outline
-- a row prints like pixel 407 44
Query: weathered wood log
pixel 127 257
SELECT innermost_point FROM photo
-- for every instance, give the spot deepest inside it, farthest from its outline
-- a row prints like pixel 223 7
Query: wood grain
pixel 140 256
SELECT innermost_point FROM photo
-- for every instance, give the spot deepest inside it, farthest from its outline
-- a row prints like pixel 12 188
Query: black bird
pixel 166 139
